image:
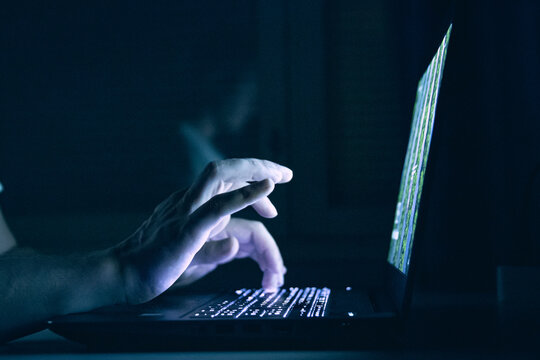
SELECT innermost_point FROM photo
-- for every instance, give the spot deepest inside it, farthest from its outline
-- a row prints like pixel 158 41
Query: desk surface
pixel 45 345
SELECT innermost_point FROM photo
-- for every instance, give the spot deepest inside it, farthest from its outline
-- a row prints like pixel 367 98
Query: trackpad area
pixel 350 303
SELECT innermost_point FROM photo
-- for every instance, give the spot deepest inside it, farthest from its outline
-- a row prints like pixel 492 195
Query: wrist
pixel 99 283
pixel 110 279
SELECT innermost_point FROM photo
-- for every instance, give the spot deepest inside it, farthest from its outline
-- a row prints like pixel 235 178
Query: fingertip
pixel 265 185
pixel 280 279
pixel 287 175
pixel 283 173
pixel 272 213
pixel 270 282
pixel 265 208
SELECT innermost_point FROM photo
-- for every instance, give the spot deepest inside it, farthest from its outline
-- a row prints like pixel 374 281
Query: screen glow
pixel 412 177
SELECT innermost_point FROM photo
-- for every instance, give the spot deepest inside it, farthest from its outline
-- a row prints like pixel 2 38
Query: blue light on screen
pixel 412 178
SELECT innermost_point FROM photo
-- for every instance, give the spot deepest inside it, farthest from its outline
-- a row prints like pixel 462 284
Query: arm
pixel 37 287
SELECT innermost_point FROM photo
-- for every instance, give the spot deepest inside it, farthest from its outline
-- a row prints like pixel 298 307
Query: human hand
pixel 165 245
pixel 239 239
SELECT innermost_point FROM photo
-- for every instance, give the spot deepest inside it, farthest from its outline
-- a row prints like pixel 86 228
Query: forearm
pixel 37 287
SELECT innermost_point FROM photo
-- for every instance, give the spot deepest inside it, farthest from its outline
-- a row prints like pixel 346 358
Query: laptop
pixel 293 317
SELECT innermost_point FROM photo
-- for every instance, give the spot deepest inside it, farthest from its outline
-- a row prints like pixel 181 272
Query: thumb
pixel 217 252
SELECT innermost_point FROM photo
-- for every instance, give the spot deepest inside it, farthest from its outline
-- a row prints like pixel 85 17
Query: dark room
pixel 247 178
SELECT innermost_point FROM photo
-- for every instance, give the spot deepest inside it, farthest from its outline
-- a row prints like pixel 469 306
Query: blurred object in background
pixel 107 108
pixel 222 116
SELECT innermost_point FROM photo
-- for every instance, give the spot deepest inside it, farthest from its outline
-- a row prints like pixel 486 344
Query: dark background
pixel 91 95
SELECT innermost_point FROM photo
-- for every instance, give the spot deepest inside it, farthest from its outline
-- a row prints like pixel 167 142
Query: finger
pixel 271 282
pixel 257 243
pixel 264 249
pixel 226 175
pixel 265 208
pixel 273 275
pixel 208 216
pixel 217 231
pixel 216 252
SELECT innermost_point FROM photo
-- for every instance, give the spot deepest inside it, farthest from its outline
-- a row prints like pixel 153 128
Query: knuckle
pixel 188 233
pixel 268 164
pixel 254 225
pixel 258 226
pixel 253 162
pixel 217 205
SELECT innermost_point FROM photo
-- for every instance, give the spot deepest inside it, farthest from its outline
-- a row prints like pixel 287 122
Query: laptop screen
pixel 414 168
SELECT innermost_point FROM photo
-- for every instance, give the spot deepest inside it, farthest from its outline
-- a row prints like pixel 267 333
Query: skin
pixel 188 235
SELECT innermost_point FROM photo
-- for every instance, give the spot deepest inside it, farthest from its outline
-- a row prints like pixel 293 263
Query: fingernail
pixel 272 211
pixel 263 184
pixel 258 184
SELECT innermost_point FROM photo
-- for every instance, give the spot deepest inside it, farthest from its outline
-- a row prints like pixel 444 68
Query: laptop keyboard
pixel 308 302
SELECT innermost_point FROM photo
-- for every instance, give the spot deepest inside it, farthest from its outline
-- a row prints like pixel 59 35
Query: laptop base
pixel 317 334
